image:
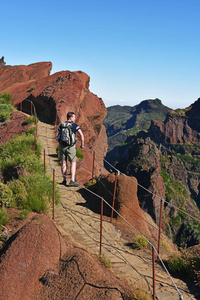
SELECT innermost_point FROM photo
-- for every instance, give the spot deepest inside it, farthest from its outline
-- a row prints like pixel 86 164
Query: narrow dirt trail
pixel 76 217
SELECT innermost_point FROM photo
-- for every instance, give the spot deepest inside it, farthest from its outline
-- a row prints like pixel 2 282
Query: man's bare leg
pixel 73 170
pixel 64 169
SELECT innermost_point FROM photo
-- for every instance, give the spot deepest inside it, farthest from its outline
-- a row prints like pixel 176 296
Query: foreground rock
pixel 39 263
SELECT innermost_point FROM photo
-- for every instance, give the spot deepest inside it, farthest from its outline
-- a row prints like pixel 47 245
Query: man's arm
pixel 82 137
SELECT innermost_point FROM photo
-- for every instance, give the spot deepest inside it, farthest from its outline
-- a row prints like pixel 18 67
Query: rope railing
pixel 112 206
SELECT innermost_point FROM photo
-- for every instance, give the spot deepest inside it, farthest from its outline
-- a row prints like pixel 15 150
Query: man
pixel 69 151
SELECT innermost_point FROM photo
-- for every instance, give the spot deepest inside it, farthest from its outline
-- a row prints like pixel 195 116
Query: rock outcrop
pixel 14 127
pixel 53 96
pixel 126 202
pixel 39 263
pixel 179 127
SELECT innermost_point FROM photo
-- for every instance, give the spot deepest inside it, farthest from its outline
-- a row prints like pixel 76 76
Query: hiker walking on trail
pixel 67 145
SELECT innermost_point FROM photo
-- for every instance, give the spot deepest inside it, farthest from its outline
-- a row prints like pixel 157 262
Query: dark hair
pixel 69 114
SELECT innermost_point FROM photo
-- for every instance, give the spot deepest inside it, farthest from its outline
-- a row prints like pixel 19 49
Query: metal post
pixel 101 225
pixel 36 126
pixel 114 197
pixel 153 261
pixel 160 224
pixel 44 161
pixel 93 167
pixel 35 144
pixel 53 191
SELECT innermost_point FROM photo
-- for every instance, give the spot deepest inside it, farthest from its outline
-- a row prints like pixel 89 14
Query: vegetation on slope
pixel 23 182
pixel 5 106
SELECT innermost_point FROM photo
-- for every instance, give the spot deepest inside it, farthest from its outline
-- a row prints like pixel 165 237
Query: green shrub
pixel 23 214
pixel 34 192
pixel 5 98
pixel 4 218
pixel 5 195
pixel 33 163
pixel 91 186
pixel 105 261
pixel 30 120
pixel 79 153
pixel 17 151
pixel 19 192
pixel 178 265
pixel 5 110
pixel 5 106
pixel 141 294
pixel 139 243
pixel 31 130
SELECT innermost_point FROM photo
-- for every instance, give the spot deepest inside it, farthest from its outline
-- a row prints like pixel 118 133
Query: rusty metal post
pixel 53 191
pixel 93 167
pixel 35 143
pixel 153 263
pixel 113 197
pixel 101 226
pixel 160 224
pixel 36 126
pixel 44 161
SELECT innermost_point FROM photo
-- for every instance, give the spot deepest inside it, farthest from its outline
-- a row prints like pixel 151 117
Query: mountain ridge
pixel 125 120
pixel 165 159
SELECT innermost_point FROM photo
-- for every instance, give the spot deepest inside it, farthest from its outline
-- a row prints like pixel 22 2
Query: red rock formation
pixel 12 77
pixel 39 263
pixel 126 202
pixel 175 129
pixel 14 127
pixel 55 95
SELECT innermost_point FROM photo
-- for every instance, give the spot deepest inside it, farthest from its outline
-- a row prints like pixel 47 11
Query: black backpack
pixel 67 136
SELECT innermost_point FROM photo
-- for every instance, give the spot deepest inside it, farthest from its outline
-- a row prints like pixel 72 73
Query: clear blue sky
pixel 132 50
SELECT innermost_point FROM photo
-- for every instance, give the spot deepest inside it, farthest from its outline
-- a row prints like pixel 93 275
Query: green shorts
pixel 68 152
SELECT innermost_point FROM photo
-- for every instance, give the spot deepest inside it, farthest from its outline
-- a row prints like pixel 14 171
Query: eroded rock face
pixel 178 128
pixel 126 202
pixel 55 95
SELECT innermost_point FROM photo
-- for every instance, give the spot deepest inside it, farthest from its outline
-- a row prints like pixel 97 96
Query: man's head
pixel 71 116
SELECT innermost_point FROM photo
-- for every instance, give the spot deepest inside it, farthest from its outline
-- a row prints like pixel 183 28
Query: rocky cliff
pixel 55 95
pixel 166 162
pixel 179 127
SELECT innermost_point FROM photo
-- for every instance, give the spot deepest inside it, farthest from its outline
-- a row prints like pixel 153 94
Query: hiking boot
pixel 73 183
pixel 64 182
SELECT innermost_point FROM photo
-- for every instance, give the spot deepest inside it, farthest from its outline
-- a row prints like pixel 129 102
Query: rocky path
pixel 77 219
